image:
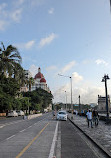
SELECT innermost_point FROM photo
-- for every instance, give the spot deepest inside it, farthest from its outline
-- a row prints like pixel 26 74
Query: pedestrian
pixel 96 118
pixel 89 117
pixel 76 112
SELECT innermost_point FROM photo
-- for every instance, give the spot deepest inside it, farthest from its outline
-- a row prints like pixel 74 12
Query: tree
pixel 39 99
pixel 19 75
pixel 9 59
pixel 30 82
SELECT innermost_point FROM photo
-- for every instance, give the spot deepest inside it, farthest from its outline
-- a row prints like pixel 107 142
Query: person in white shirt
pixel 89 118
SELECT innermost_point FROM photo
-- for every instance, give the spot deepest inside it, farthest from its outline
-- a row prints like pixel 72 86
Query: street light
pixel 66 100
pixel 79 105
pixel 104 79
pixel 71 87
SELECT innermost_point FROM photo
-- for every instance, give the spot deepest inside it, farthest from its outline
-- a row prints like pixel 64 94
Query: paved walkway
pixel 100 134
pixel 72 145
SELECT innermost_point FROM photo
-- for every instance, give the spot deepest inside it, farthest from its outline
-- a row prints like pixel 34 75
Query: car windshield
pixel 63 113
pixel 18 111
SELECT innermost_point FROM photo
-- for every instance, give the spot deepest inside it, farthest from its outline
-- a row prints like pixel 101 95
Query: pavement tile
pixel 101 133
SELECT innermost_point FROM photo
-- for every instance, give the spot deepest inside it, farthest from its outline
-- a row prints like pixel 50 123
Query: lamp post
pixel 104 79
pixel 71 87
pixel 66 100
pixel 79 105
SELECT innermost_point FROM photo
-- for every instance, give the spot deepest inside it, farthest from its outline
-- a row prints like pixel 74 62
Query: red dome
pixel 43 80
pixel 38 75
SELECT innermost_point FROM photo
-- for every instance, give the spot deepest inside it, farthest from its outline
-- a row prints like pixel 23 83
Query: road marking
pixel 11 123
pixel 23 130
pixel 29 126
pixel 51 154
pixel 22 152
pixel 10 137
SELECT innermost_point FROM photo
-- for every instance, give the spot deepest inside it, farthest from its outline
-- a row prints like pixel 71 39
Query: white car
pixel 12 113
pixel 20 113
pixel 62 115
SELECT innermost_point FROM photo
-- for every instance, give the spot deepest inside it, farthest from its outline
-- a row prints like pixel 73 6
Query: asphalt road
pixel 41 138
pixel 27 138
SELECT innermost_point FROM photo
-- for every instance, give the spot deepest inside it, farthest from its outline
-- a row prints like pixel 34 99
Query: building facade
pixel 102 103
pixel 40 82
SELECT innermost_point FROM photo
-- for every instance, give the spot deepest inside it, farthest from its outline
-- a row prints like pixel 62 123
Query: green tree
pixel 30 82
pixel 9 59
pixel 25 103
pixel 8 91
pixel 39 99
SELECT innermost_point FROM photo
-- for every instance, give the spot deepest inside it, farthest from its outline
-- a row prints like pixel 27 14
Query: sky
pixel 68 37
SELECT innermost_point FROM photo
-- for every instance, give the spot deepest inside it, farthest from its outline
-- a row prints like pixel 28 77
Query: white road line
pixel 10 137
pixel 11 123
pixel 51 154
pixel 23 130
pixel 29 126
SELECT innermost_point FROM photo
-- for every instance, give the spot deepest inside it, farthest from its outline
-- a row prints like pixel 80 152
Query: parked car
pixel 12 113
pixel 62 115
pixel 20 113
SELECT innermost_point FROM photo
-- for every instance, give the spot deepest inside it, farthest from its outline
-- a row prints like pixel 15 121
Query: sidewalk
pixel 100 134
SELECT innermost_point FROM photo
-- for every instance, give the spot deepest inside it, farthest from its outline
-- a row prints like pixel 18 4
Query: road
pixel 42 137
pixel 27 138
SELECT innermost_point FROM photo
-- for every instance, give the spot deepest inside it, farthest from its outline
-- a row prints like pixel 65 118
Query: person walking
pixel 89 118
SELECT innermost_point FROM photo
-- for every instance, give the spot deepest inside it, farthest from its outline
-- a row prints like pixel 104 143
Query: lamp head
pixel 103 80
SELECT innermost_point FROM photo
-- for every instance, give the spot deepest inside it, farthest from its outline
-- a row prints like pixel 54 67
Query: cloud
pixel 33 69
pixel 2 25
pixel 68 67
pixel 2 7
pixel 27 45
pixel 47 40
pixel 51 11
pixel 76 77
pixel 16 15
pixel 101 61
pixel 87 91
pixel 8 15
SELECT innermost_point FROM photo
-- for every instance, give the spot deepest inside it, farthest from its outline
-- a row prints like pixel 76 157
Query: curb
pixel 107 153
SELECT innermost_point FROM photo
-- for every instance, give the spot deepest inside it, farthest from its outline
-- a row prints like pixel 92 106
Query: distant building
pixel 102 103
pixel 40 82
pixel 27 74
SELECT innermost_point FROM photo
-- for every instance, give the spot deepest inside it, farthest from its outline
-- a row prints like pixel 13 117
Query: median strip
pixel 24 150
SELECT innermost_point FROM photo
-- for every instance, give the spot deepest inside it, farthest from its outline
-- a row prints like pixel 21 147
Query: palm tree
pixel 30 82
pixel 19 75
pixel 9 59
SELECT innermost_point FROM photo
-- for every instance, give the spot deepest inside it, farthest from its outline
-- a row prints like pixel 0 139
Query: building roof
pixel 43 80
pixel 38 75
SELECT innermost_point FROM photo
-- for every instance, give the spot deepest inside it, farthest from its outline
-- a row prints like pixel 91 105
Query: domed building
pixel 40 81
